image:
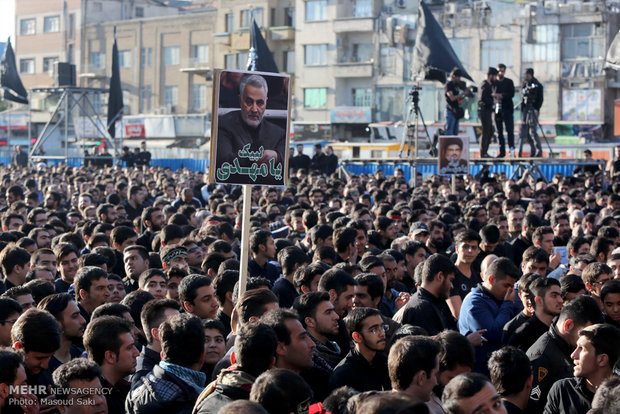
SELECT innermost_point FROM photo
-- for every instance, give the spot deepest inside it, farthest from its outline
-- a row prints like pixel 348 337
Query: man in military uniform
pixel 551 353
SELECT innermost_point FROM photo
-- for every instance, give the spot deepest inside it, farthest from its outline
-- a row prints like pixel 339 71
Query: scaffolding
pixel 75 123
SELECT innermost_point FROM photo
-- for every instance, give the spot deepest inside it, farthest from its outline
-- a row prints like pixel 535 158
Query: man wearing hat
pixel 174 255
pixel 485 111
pixel 419 232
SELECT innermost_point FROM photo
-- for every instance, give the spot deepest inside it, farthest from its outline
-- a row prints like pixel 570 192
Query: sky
pixel 7 20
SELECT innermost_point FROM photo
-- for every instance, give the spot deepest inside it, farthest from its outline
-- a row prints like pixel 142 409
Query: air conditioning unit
pixel 36 104
pixel 450 8
pixel 551 7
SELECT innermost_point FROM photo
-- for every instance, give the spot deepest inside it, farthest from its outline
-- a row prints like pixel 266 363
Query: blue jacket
pixel 481 311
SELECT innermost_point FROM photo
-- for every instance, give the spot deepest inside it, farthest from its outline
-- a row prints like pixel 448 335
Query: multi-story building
pixel 52 30
pixel 350 59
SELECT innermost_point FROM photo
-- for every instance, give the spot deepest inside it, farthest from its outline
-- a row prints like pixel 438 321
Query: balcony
pixel 221 39
pixel 354 24
pixel 353 70
pixel 282 33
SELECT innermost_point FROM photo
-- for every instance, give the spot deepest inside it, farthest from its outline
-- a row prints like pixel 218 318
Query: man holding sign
pixel 250 149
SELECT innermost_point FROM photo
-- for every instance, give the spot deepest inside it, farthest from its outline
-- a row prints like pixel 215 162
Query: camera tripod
pixel 524 133
pixel 410 131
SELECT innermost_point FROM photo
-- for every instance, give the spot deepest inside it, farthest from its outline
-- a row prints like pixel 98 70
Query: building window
pixel 71 28
pixel 145 98
pixel 315 97
pixel 27 27
pixel 70 53
pixel 316 10
pixel 362 97
pixel 200 53
pixel 171 96
pixel 289 61
pixel 97 59
pixel 362 8
pixel 124 58
pixel 97 7
pixel 171 55
pixel 315 54
pixel 289 16
pixel 462 48
pixel 199 97
pixel 26 65
pixel 139 11
pixel 48 63
pixel 246 17
pixel 546 47
pixel 146 56
pixel 51 24
pixel 363 52
pixel 230 62
pixel 229 26
pixel 242 60
pixel 583 41
pixel 496 51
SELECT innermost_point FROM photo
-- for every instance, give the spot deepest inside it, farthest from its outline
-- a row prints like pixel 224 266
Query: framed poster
pixel 249 135
pixel 453 155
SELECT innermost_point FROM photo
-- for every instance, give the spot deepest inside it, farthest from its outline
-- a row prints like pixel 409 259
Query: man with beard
pixel 110 344
pixel 106 213
pixel 365 366
pixel 436 243
pixel 244 137
pixel 152 221
pixel 63 308
pixel 341 288
pixel 319 317
pixel 504 92
pixel 561 229
pixel 428 308
pixel 490 306
pixel 546 296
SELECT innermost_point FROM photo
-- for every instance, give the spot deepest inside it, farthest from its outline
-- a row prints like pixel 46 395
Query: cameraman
pixel 505 90
pixel 455 91
pixel 531 101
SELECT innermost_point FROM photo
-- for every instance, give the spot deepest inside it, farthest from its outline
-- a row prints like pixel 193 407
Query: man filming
pixel 455 91
pixel 531 101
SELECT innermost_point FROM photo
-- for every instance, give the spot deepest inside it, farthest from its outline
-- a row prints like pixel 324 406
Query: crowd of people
pixel 365 293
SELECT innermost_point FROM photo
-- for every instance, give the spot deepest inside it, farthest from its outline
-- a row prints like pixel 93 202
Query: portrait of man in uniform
pixel 249 146
pixel 453 155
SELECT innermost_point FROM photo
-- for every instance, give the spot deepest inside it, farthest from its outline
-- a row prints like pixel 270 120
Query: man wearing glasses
pixel 594 276
pixel 365 366
pixel 10 310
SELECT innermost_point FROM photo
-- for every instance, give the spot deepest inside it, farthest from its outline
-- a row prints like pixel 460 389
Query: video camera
pixel 527 91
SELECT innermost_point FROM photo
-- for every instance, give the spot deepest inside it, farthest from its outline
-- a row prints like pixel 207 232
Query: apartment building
pixel 52 30
pixel 350 59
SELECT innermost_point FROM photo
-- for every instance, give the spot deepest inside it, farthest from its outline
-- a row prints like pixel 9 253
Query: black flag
pixel 613 54
pixel 433 55
pixel 115 98
pixel 11 83
pixel 260 58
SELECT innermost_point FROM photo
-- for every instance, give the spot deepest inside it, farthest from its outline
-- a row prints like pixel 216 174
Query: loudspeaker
pixel 65 74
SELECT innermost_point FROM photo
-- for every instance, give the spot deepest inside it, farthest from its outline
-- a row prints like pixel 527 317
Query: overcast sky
pixel 7 20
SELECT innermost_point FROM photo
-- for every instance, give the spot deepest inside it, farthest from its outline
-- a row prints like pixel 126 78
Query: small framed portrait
pixel 453 155
pixel 249 135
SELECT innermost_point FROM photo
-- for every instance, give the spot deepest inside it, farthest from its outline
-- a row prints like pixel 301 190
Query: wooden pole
pixel 245 238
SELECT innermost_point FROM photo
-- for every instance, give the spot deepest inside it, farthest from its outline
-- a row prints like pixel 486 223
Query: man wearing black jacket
pixel 531 101
pixel 176 382
pixel 551 353
pixel 427 308
pixel 504 92
pixel 365 367
pixel 485 111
